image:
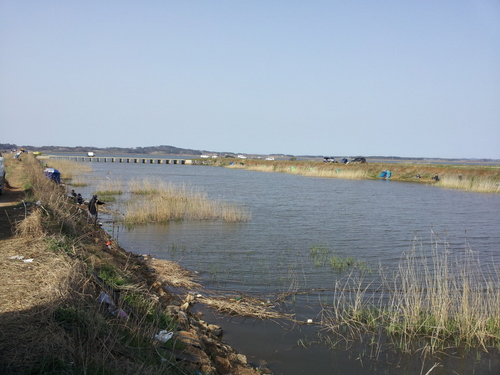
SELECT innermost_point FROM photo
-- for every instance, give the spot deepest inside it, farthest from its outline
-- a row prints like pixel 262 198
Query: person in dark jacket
pixel 79 199
pixel 93 210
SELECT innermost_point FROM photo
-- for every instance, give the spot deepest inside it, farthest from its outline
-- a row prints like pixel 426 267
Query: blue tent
pixel 53 174
pixel 385 174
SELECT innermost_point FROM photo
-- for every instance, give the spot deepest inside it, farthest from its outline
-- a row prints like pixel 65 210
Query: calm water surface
pixel 374 222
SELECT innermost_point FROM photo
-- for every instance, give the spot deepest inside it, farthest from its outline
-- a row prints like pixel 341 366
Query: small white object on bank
pixel 164 336
pixel 20 257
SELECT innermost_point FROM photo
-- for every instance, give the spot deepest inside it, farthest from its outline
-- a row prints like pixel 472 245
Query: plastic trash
pixel 164 336
pixel 112 309
pixel 119 313
pixel 20 257
pixel 104 298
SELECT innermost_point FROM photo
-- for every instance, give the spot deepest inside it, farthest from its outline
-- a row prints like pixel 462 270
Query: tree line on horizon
pixel 171 150
pixel 128 150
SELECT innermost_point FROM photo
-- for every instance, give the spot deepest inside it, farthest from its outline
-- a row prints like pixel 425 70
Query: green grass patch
pixel 322 256
pixel 341 263
pixel 59 245
pixel 113 276
pixel 106 197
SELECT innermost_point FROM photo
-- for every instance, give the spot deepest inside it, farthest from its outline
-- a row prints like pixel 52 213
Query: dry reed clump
pixel 309 170
pixel 79 181
pixel 163 202
pixel 470 183
pixel 109 187
pixel 172 274
pixel 31 226
pixel 344 173
pixel 434 299
pixel 243 306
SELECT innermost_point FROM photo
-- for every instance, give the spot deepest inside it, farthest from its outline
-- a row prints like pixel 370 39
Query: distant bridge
pixel 108 159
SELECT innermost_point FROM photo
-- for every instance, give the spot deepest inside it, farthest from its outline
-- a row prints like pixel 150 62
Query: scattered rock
pixel 222 364
pixel 216 330
pixel 172 310
pixel 183 319
pixel 242 358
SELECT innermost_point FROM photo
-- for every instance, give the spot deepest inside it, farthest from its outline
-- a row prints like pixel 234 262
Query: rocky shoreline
pixel 204 348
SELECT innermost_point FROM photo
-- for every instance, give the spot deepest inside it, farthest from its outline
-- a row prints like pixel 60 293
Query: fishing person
pixel 93 210
pixel 79 199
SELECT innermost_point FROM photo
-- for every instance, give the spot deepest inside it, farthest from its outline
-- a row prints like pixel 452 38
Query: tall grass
pixel 78 181
pixel 433 299
pixel 160 202
pixel 51 200
pixel 109 187
pixel 471 183
pixel 309 170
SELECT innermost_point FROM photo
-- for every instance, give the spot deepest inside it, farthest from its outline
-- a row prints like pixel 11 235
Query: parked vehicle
pixel 328 159
pixel 358 160
pixel 2 174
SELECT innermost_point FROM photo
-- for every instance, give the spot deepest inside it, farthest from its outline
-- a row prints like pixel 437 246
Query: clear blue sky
pixel 347 78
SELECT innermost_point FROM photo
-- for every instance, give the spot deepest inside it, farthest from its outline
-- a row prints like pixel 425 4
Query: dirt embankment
pixel 75 302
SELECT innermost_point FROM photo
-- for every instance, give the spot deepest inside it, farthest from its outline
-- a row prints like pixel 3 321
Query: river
pixel 371 222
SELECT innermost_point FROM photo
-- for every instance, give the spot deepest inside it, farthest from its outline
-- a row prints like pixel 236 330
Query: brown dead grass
pixel 244 307
pixel 161 202
pixel 26 285
pixel 172 274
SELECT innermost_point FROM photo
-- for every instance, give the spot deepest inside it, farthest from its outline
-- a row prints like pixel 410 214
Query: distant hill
pixel 171 150
pixel 167 150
